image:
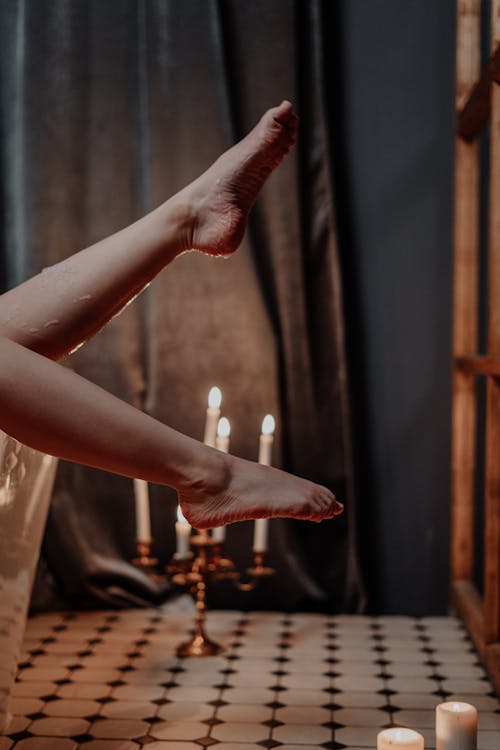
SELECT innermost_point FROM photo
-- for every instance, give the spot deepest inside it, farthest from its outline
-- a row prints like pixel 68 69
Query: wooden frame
pixel 478 97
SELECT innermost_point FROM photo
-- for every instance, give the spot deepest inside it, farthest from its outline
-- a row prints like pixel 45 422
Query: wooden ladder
pixel 478 99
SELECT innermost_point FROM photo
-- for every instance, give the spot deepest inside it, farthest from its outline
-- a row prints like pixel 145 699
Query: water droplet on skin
pixel 85 297
pixel 34 330
pixel 51 323
pixel 11 461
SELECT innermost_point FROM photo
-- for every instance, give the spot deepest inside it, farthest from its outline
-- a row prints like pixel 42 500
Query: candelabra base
pixel 199 645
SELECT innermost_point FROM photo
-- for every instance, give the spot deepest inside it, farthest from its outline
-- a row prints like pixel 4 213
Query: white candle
pixel 265 455
pixel 182 533
pixel 399 738
pixel 142 515
pixel 222 444
pixel 456 726
pixel 212 416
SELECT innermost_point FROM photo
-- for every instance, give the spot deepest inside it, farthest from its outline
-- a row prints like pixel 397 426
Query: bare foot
pixel 231 489
pixel 220 199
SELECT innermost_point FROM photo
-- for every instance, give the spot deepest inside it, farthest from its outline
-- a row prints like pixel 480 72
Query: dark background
pixel 389 71
pixel 392 110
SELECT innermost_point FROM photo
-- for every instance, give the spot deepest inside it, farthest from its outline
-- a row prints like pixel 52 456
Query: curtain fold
pixel 109 108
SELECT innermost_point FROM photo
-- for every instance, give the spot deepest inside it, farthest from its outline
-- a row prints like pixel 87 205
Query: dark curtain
pixel 107 109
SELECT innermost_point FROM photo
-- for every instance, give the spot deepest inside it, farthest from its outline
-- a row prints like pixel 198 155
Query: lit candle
pixel 142 516
pixel 399 738
pixel 212 416
pixel 222 444
pixel 456 726
pixel 265 454
pixel 182 533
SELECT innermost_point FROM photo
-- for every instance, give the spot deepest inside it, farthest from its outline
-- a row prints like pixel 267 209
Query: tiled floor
pixel 111 681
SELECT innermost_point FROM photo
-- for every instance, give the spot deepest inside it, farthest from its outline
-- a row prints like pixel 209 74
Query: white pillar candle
pixel 182 533
pixel 142 514
pixel 222 444
pixel 266 441
pixel 399 738
pixel 212 416
pixel 456 726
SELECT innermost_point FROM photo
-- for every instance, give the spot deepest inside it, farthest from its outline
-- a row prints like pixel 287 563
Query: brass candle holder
pixel 208 563
pixel 144 561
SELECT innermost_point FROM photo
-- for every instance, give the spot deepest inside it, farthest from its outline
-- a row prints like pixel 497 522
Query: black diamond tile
pixel 237 644
pixel 161 701
pixel 212 722
pixel 81 739
pixel 156 620
pixel 37 652
pixel 59 628
pixel 126 668
pixel 387 708
pixel 223 686
pixel 49 698
pixel 269 743
pixel 17 736
pixel 48 640
pixel 280 673
pixel 218 703
pixel 331 706
pixel 134 654
pixel 25 665
pixel 75 667
pixel 153 720
pixel 176 670
pixel 277 688
pixel 107 699
pixel 272 723
pixel 36 715
pixel 63 682
pixel 333 725
pixel 94 717
pixel 113 618
pixel 146 739
pixel 104 629
pixel 229 671
pixel 233 657
pixel 169 684
pixel 331 690
pixel 332 674
pixel 94 641
pixel 284 646
pixel 116 683
pixel 150 631
pixel 333 745
pixel 282 659
pixel 85 653
pixel 206 741
pixel 141 642
pixel 275 705
pixel 442 677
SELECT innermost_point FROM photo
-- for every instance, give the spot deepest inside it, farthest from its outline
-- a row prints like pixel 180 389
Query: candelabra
pixel 208 563
pixel 193 571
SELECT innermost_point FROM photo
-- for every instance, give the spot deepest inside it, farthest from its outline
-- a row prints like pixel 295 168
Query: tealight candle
pixel 399 738
pixel 222 444
pixel 212 416
pixel 182 533
pixel 142 515
pixel 265 455
pixel 456 726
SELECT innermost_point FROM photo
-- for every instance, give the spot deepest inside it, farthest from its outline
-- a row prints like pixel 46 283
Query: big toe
pixel 283 115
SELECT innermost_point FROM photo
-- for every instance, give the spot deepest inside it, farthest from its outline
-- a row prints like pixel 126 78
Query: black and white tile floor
pixel 111 681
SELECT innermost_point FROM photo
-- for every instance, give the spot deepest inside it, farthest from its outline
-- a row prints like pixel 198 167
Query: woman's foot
pixel 219 201
pixel 230 489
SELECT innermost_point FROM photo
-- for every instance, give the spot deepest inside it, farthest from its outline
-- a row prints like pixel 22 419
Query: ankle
pixel 211 473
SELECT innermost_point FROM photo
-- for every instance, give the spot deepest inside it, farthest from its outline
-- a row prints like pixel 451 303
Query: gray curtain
pixel 107 109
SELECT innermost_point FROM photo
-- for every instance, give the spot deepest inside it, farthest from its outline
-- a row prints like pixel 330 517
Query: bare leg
pixel 52 409
pixel 57 310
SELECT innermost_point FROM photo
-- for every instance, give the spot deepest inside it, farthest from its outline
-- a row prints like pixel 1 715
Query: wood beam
pixel 475 113
pixel 465 312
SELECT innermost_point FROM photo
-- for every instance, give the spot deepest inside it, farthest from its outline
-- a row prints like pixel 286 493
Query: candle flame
pixel 214 397
pixel 223 428
pixel 180 515
pixel 268 425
